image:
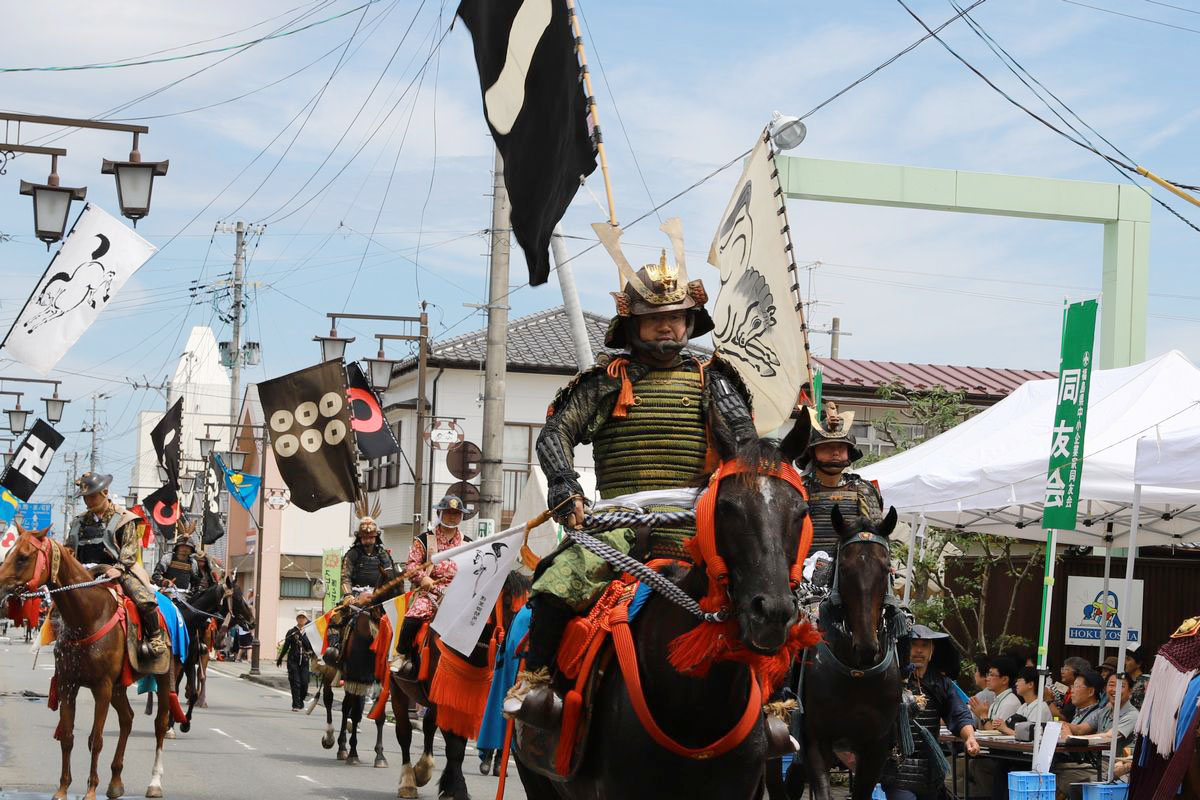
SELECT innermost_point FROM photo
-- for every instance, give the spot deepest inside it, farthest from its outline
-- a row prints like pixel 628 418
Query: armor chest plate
pixel 95 545
pixel 661 444
pixel 367 569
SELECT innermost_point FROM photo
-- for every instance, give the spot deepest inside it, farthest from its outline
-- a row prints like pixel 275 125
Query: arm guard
pixel 387 565
pixel 732 407
pixel 348 563
pixel 565 428
pixel 131 545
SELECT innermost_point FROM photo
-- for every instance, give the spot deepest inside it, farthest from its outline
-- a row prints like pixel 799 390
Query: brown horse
pixel 452 783
pixel 90 652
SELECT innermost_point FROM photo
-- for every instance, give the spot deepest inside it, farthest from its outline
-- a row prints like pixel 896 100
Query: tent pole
pixel 912 549
pixel 1044 636
pixel 1108 541
pixel 1130 555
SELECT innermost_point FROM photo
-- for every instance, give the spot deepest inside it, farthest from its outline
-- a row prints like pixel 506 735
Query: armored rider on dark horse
pixel 366 564
pixel 647 414
pixel 107 535
pixel 186 566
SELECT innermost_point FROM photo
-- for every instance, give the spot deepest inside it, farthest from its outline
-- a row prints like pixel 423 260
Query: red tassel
pixel 381 704
pixel 572 710
pixel 52 701
pixel 616 369
pixel 176 709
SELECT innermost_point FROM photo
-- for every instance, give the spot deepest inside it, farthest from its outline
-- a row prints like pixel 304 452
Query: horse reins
pixel 823 649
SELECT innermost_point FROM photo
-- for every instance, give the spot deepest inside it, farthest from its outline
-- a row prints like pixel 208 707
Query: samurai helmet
pixel 655 288
pixel 450 502
pixel 366 515
pixel 835 429
pixel 92 482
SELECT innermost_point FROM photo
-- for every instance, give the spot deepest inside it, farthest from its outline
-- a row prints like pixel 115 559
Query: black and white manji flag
pixel 162 506
pixel 371 430
pixel 213 529
pixel 308 417
pixel 31 460
pixel 166 437
pixel 535 106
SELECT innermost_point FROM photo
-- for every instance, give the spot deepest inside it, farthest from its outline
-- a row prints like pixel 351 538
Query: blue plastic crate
pixel 1031 786
pixel 1105 791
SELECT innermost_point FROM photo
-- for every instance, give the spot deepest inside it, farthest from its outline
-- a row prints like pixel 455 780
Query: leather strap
pixel 118 616
pixel 627 658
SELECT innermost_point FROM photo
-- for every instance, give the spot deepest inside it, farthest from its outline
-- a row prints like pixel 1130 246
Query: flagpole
pixel 591 98
pixel 507 533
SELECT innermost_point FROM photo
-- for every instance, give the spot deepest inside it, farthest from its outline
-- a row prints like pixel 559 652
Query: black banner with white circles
pixel 308 419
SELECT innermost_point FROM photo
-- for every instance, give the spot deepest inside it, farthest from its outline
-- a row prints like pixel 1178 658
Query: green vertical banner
pixel 818 386
pixel 331 575
pixel 1065 472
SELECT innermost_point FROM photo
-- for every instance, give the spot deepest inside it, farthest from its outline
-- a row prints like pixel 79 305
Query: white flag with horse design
pixel 471 597
pixel 758 316
pixel 99 254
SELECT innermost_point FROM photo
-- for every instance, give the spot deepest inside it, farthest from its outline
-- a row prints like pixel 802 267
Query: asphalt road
pixel 247 744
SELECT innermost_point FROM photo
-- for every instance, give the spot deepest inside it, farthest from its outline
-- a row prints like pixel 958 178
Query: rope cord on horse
pixel 45 591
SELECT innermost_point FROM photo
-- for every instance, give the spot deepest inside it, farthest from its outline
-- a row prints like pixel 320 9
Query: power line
pixel 241 46
pixel 1135 16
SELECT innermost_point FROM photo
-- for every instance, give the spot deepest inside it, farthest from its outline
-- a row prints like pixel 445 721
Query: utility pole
pixel 69 489
pixel 835 336
pixel 235 356
pixel 492 480
pixel 94 427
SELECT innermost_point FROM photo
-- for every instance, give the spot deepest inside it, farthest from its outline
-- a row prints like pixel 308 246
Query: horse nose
pixel 769 609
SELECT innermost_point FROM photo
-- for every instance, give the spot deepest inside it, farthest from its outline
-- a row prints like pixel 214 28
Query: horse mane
pixel 761 457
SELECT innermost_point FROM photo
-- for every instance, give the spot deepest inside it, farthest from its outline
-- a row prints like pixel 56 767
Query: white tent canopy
pixel 1172 459
pixel 988 474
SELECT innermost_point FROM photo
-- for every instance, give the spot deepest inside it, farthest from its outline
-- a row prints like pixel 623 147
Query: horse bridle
pixel 835 598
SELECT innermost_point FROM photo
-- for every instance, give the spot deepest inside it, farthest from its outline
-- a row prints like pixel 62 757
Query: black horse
pixel 452 783
pixel 217 602
pixel 851 686
pixel 357 668
pixel 758 521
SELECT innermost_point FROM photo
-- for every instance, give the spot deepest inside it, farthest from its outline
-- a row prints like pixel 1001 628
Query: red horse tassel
pixel 694 652
pixel 460 692
pixel 176 709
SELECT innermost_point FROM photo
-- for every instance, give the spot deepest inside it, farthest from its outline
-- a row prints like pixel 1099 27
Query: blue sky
pixel 683 88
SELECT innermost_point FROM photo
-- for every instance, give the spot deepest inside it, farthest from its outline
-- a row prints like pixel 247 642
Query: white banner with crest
pixel 759 320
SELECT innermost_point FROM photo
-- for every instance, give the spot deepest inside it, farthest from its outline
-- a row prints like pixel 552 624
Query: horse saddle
pixel 584 657
pixel 415 688
pixel 155 665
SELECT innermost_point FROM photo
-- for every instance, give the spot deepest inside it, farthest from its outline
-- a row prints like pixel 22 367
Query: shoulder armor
pixel 598 371
pixel 120 519
pixel 726 370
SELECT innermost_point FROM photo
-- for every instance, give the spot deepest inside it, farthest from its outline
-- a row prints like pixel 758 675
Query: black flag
pixel 166 438
pixel 535 106
pixel 213 529
pixel 31 460
pixel 374 435
pixel 162 507
pixel 308 416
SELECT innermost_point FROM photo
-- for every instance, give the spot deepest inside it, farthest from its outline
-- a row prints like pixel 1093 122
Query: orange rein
pixel 45 569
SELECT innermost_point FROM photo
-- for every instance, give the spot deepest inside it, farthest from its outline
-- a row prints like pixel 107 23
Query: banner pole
pixel 1121 646
pixel 1044 633
pixel 591 99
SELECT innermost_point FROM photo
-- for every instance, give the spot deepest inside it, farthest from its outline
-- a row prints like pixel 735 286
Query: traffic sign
pixel 34 516
pixel 462 459
pixel 469 494
pixel 442 433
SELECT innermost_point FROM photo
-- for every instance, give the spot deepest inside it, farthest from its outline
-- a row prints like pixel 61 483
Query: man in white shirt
pixel 1002 674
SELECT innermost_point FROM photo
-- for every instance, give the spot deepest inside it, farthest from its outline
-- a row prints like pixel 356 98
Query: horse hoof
pixel 406 792
pixel 351 760
pixel 408 784
pixel 115 789
pixel 154 791
pixel 341 755
pixel 327 742
pixel 485 767
pixel 380 762
pixel 170 734
pixel 184 727
pixel 423 769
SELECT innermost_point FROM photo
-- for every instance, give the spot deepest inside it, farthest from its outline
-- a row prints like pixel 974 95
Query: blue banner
pixel 34 516
pixel 8 507
pixel 242 487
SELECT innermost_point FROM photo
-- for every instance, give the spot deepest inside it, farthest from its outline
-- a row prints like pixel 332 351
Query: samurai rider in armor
pixel 179 565
pixel 431 580
pixel 107 535
pixel 366 565
pixel 932 700
pixel 831 450
pixel 647 414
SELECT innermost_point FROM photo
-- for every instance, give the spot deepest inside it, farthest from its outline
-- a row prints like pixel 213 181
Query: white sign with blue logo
pixel 1088 609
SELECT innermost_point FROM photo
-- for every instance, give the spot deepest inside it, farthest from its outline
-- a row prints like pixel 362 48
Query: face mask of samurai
pixel 659 351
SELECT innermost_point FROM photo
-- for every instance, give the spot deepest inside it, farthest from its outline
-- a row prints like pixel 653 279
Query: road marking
pixel 223 733
pixel 313 782
pixel 248 747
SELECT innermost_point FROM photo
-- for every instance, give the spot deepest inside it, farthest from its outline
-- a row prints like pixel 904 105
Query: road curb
pixel 264 679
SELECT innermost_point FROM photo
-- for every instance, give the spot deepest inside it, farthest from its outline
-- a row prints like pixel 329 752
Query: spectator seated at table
pixel 1031 709
pixel 1062 707
pixel 1001 674
pixel 1135 663
pixel 1128 714
pixel 982 699
pixel 1085 695
pixel 1107 668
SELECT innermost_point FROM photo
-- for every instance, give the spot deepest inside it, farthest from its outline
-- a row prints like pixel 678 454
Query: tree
pixel 954 600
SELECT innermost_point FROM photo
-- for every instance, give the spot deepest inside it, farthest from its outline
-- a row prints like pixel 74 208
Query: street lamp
pixel 187 483
pixel 135 180
pixel 51 204
pixel 131 500
pixel 206 446
pixel 333 347
pixel 235 460
pixel 786 132
pixel 17 417
pixel 54 406
pixel 163 473
pixel 379 369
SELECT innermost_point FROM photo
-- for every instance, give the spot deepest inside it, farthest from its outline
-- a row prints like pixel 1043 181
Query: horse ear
pixel 796 441
pixel 722 437
pixel 888 525
pixel 839 522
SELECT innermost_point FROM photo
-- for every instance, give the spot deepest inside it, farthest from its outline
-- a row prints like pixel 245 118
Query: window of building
pixel 295 587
